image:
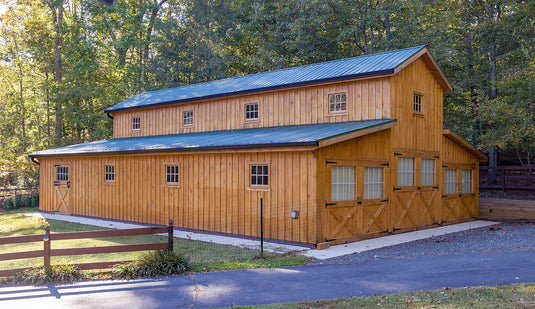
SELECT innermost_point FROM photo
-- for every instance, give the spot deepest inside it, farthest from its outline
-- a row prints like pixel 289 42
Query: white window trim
pixel 192 118
pixel 139 124
pixel 337 112
pixel 257 119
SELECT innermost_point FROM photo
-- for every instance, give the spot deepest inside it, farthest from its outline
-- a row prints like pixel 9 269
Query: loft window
pixel 259 175
pixel 450 181
pixel 466 181
pixel 251 111
pixel 405 172
pixel 172 174
pixel 337 102
pixel 109 173
pixel 373 183
pixel 428 172
pixel 417 103
pixel 136 123
pixel 62 173
pixel 187 117
pixel 342 183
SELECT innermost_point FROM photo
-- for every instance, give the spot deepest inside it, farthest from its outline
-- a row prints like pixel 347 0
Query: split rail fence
pixel 507 177
pixel 48 252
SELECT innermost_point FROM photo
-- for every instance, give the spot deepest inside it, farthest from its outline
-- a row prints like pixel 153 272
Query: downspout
pixel 35 161
pixel 109 115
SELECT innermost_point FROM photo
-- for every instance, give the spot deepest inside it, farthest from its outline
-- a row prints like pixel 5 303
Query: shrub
pixel 9 203
pixel 51 274
pixel 18 201
pixel 157 263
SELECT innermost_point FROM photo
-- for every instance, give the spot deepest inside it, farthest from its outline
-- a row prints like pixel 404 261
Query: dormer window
pixel 251 112
pixel 337 102
pixel 417 103
pixel 136 123
pixel 187 118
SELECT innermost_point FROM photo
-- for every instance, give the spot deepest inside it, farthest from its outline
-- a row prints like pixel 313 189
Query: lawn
pixel 203 256
pixel 508 296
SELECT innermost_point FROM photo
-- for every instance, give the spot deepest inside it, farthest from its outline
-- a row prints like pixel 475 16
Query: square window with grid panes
pixel 373 183
pixel 405 172
pixel 172 174
pixel 342 183
pixel 109 173
pixel 466 178
pixel 62 173
pixel 136 123
pixel 417 103
pixel 251 111
pixel 428 172
pixel 187 118
pixel 259 175
pixel 450 181
pixel 337 102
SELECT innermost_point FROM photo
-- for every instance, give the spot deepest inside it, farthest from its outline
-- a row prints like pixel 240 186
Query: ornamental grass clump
pixel 157 263
pixel 50 274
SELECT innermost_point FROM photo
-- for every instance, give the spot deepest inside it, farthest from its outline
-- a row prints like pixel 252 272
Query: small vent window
pixel 337 102
pixel 109 173
pixel 251 111
pixel 417 103
pixel 259 175
pixel 136 123
pixel 187 118
pixel 172 174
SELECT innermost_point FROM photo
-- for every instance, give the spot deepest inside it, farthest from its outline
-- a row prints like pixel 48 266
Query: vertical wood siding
pixel 213 195
pixel 366 99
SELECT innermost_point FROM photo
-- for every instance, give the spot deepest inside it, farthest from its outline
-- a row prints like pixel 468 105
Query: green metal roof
pixel 283 136
pixel 342 69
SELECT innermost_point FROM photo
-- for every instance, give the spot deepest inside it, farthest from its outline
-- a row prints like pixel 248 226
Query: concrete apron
pixel 333 251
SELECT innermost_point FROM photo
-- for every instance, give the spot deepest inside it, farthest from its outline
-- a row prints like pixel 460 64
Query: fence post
pixel 261 227
pixel 170 235
pixel 46 244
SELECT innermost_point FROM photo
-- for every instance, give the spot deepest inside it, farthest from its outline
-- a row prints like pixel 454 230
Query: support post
pixel 261 227
pixel 170 235
pixel 46 245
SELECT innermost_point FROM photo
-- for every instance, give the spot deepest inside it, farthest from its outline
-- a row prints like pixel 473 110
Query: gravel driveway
pixel 509 235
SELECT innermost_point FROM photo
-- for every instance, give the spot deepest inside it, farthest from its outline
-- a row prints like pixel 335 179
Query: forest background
pixel 62 62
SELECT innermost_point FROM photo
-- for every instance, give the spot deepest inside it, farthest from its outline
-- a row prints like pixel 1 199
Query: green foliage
pixel 22 200
pixel 47 275
pixel 156 263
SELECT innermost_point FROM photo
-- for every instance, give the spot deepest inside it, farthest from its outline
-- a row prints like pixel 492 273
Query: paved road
pixel 289 284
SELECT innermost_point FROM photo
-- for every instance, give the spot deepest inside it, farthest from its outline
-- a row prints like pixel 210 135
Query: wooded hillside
pixel 63 62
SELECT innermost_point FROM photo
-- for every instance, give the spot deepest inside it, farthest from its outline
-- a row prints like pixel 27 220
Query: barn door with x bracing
pixel 62 185
pixel 355 207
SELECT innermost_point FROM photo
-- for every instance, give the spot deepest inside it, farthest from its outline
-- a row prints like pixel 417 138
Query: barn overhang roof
pixel 373 65
pixel 312 135
pixel 464 144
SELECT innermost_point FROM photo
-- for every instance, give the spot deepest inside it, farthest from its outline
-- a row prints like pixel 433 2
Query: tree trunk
pixel 57 19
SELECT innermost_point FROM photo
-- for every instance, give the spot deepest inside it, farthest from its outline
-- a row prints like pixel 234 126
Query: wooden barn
pixel 339 151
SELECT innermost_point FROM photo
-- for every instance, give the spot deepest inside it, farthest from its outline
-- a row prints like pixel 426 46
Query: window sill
pixel 171 186
pixel 335 114
pixel 251 121
pixel 253 188
pixel 109 183
pixel 418 115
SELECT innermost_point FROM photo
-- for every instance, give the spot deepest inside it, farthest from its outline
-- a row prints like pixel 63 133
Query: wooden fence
pixel 48 237
pixel 507 177
pixel 493 209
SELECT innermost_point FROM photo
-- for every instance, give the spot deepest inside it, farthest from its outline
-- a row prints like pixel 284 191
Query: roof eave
pixel 356 133
pixel 464 144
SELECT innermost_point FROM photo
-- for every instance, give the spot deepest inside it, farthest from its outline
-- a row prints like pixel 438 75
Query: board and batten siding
pixel 213 193
pixel 366 99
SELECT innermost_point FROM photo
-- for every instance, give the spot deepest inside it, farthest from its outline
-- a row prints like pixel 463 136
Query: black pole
pixel 170 235
pixel 261 227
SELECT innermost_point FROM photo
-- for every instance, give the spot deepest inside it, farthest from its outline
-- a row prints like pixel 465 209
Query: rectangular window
pixel 450 179
pixel 62 173
pixel 417 103
pixel 343 183
pixel 109 173
pixel 251 111
pixel 136 123
pixel 466 181
pixel 373 182
pixel 337 102
pixel 187 118
pixel 259 175
pixel 405 172
pixel 428 172
pixel 172 174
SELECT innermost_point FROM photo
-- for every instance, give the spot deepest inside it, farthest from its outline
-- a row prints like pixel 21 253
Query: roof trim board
pixel 464 144
pixel 297 136
pixel 366 66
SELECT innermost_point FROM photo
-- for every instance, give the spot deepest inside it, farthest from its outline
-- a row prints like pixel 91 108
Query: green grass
pixel 509 296
pixel 203 256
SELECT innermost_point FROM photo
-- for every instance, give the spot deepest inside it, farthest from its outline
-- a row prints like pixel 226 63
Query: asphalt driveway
pixel 288 284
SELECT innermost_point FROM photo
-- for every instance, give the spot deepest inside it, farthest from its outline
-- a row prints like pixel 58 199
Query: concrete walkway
pixel 278 285
pixel 331 252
